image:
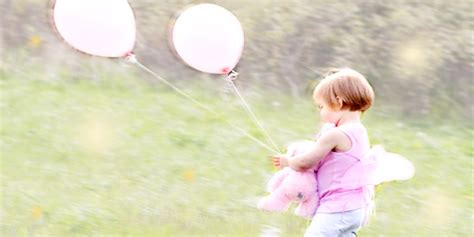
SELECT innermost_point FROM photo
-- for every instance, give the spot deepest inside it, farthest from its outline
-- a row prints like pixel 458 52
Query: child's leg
pixel 323 224
pixel 353 221
pixel 341 224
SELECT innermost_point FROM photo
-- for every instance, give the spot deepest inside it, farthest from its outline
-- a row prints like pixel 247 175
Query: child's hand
pixel 280 161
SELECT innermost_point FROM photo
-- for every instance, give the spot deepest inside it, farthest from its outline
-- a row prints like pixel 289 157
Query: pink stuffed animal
pixel 288 185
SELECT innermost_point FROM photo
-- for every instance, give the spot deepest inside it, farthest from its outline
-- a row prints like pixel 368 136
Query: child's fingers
pixel 276 162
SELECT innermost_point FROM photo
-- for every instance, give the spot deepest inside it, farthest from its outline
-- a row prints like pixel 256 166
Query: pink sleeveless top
pixel 338 173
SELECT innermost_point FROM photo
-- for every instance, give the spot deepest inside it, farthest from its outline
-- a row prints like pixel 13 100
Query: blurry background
pixel 94 146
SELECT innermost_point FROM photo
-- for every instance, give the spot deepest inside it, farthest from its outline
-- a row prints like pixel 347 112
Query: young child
pixel 342 96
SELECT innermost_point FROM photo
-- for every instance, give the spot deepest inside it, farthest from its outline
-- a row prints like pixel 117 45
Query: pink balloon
pixel 99 27
pixel 208 38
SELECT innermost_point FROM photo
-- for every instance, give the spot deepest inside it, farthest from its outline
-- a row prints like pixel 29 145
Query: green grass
pixel 118 156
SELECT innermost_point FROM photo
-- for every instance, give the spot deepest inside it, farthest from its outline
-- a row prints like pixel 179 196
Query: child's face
pixel 328 114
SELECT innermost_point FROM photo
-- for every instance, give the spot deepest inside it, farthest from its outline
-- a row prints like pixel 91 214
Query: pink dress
pixel 340 175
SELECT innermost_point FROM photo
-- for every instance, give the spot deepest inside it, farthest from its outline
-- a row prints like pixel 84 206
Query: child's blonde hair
pixel 344 88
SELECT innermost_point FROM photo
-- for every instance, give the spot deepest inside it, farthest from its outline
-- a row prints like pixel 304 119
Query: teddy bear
pixel 288 185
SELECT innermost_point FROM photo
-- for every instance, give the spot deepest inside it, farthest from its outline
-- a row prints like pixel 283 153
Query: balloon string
pixel 250 112
pixel 131 58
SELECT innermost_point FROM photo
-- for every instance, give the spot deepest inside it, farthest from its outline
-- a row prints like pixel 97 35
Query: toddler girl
pixel 342 96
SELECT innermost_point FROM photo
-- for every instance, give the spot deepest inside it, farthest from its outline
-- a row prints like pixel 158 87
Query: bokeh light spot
pixel 437 210
pixel 36 213
pixel 413 56
pixel 189 175
pixel 96 134
pixel 35 41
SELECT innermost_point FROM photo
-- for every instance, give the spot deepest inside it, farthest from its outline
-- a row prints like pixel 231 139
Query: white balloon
pixel 99 27
pixel 208 38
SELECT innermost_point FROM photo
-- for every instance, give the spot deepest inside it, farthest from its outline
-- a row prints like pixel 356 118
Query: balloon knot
pixel 130 57
pixel 225 70
pixel 232 75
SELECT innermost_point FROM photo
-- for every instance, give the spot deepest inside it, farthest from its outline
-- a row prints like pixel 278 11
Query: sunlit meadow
pixel 123 157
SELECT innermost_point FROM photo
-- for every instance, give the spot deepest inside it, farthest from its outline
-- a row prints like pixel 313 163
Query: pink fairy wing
pixel 391 167
pixel 377 166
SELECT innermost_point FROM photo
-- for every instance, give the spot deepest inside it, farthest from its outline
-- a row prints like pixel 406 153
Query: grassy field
pixel 119 156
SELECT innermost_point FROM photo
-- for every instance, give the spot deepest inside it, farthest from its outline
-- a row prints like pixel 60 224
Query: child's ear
pixel 340 102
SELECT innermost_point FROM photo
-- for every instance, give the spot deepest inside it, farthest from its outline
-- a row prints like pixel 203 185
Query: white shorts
pixel 341 224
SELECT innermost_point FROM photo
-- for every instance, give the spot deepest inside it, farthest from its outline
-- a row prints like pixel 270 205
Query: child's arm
pixel 327 142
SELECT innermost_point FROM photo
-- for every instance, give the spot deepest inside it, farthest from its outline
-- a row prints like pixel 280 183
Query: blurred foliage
pixel 416 54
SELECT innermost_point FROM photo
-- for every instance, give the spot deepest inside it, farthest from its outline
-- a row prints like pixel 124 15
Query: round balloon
pixel 99 27
pixel 208 38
